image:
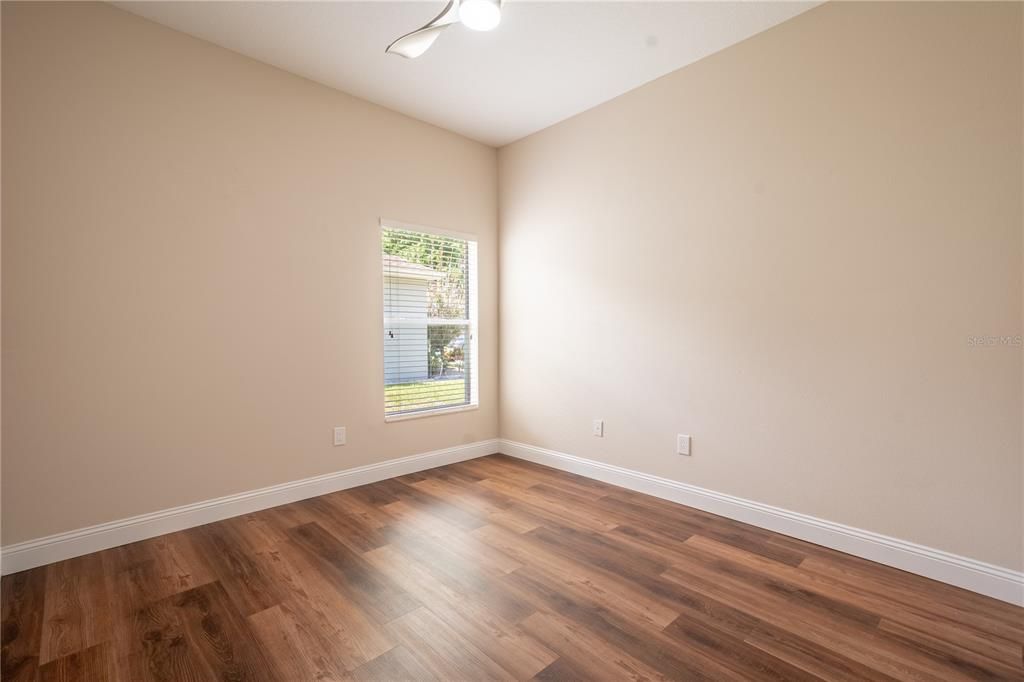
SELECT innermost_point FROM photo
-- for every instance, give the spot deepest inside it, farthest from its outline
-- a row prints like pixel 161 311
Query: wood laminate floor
pixel 493 569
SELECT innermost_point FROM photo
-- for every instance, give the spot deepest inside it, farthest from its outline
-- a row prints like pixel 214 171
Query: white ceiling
pixel 546 61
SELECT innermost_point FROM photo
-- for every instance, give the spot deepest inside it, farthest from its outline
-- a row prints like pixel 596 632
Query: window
pixel 430 310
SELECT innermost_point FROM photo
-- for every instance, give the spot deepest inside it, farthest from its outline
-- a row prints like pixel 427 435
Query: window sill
pixel 429 413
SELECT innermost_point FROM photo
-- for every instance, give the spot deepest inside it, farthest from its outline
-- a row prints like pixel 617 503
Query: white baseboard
pixel 32 553
pixel 977 576
pixel 994 581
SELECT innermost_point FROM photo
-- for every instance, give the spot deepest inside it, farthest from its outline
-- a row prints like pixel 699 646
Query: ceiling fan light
pixel 480 15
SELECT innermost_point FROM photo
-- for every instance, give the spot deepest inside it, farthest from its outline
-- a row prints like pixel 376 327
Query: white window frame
pixel 471 323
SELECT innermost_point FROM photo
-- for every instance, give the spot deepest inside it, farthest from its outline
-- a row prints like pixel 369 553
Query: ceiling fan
pixel 479 15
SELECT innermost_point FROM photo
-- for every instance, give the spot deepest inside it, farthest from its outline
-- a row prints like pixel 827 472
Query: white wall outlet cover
pixel 339 435
pixel 599 428
pixel 683 444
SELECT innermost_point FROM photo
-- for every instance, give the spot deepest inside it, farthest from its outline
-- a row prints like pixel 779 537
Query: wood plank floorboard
pixel 493 569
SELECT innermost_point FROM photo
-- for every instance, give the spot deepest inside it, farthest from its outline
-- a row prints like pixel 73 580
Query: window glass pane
pixel 446 381
pixel 441 262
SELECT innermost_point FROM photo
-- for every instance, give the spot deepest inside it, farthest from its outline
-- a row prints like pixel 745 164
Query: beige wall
pixel 191 278
pixel 782 250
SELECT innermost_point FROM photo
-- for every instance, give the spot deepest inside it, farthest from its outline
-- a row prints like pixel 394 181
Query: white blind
pixel 429 321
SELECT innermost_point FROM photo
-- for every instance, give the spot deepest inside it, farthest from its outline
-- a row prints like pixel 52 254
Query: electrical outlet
pixel 599 428
pixel 339 435
pixel 683 444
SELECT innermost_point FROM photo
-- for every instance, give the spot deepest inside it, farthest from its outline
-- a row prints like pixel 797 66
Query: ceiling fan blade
pixel 412 45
